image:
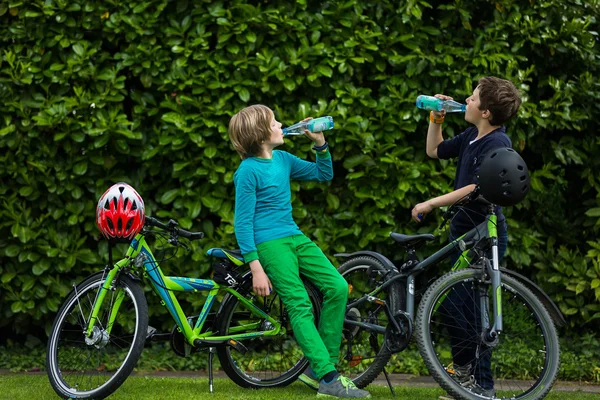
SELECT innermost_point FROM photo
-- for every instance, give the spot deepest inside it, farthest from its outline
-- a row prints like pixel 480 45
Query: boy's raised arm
pixel 434 132
pixel 321 171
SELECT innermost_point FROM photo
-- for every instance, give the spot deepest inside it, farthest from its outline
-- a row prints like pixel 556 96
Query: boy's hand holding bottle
pixel 317 137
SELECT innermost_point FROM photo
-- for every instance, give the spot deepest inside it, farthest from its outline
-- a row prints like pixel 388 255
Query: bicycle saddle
pixel 411 240
pixel 233 255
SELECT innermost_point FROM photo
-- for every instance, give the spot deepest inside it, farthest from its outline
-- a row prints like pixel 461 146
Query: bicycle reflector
pixel 503 177
pixel 120 212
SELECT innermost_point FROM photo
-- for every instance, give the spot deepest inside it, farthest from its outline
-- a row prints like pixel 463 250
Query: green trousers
pixel 284 260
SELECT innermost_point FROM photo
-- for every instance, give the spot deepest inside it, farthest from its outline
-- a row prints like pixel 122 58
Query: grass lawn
pixel 29 387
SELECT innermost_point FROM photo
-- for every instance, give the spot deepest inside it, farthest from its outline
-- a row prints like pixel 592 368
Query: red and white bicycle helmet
pixel 120 212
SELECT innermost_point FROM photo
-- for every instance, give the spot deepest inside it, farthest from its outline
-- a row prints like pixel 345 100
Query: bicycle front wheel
pixel 452 330
pixel 271 361
pixel 93 367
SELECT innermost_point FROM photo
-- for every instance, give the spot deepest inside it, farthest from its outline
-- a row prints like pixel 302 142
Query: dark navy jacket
pixel 470 154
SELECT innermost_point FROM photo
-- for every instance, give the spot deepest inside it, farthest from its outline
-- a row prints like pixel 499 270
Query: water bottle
pixel 434 104
pixel 314 125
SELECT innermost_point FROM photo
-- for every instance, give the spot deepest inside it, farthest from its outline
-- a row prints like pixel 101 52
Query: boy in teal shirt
pixel 277 251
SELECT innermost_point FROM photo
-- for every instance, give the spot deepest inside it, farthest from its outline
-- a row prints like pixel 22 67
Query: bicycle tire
pixel 394 299
pixel 65 343
pixel 427 347
pixel 239 371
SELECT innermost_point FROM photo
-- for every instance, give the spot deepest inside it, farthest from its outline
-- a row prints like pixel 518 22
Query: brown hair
pixel 500 97
pixel 249 128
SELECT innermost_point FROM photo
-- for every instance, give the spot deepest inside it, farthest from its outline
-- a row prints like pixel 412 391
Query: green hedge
pixel 94 92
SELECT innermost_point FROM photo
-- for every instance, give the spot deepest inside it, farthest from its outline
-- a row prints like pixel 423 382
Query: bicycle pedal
pixel 355 361
pixel 238 346
pixel 150 332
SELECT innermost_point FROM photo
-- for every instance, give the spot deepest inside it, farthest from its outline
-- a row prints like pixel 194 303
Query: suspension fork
pixel 494 271
pixel 106 287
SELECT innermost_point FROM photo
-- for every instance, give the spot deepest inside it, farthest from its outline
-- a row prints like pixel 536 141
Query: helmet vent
pixel 107 205
pixel 129 223
pixel 110 224
pixel 520 167
pixel 133 205
pixel 507 193
pixel 523 178
pixel 506 184
pixel 115 201
pixel 121 189
pixel 503 173
pixel 125 203
pixel 119 225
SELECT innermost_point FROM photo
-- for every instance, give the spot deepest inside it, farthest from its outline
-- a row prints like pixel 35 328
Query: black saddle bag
pixel 227 273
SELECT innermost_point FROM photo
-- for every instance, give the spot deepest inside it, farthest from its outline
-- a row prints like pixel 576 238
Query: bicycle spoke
pixel 80 364
pixel 463 353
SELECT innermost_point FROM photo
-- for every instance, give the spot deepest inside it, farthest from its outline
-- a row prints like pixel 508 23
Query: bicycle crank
pixel 397 340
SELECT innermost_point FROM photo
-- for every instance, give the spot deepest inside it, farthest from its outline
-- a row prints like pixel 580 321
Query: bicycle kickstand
pixel 387 378
pixel 211 353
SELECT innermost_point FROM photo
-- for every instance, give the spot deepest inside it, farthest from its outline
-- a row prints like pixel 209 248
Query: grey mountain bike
pixel 478 313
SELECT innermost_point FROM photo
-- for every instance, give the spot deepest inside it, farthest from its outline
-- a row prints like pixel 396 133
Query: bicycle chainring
pixel 395 340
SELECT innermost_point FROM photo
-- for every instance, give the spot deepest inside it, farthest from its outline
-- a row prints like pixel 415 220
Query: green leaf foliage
pixel 96 92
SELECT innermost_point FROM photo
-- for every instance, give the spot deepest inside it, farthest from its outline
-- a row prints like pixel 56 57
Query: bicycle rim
pixel 521 364
pixel 95 367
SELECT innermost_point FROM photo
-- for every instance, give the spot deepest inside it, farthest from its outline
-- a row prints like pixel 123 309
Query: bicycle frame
pixel 487 229
pixel 139 255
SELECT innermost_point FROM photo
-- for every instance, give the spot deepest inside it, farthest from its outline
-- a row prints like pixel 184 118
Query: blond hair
pixel 249 128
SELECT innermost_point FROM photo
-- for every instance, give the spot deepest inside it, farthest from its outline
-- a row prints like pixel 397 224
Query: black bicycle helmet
pixel 503 177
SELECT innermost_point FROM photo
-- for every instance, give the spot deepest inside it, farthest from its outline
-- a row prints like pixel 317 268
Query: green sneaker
pixel 309 379
pixel 342 387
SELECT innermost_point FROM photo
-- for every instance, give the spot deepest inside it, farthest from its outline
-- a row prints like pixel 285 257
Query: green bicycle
pixel 479 313
pixel 100 330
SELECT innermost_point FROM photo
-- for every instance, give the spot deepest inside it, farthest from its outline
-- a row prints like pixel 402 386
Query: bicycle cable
pixel 155 262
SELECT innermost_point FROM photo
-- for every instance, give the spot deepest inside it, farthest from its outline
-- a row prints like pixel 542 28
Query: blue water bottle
pixel 434 104
pixel 314 125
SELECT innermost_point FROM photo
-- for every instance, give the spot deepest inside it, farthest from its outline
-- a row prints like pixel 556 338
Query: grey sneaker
pixel 309 379
pixel 462 376
pixel 342 387
pixel 475 388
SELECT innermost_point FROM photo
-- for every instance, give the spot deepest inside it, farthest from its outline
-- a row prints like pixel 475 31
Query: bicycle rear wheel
pixel 94 367
pixel 271 361
pixel 363 353
pixel 464 361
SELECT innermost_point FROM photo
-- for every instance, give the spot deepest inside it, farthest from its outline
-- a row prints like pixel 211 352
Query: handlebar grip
pixel 181 232
pixel 154 222
pixel 190 235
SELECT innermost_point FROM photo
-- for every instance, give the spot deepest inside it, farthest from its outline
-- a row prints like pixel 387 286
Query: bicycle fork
pixel 493 269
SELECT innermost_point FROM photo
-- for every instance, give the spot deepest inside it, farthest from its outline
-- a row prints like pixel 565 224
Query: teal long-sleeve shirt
pixel 263 206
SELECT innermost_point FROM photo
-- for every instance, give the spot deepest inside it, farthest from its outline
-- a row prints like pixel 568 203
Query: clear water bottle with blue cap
pixel 314 125
pixel 432 103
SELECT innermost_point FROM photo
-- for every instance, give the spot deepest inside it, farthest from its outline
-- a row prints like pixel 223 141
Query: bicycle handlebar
pixel 171 226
